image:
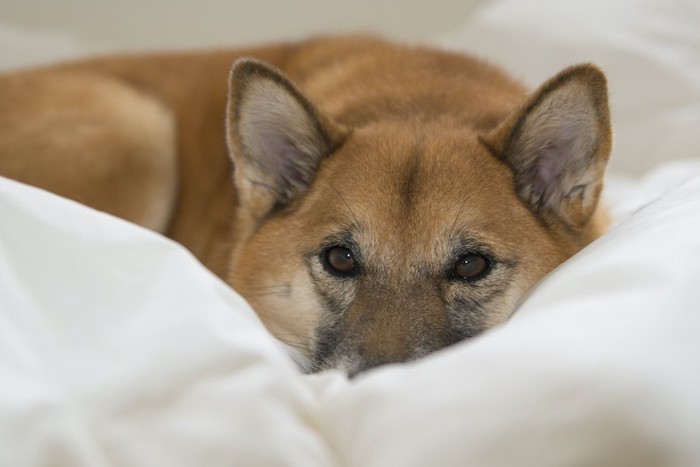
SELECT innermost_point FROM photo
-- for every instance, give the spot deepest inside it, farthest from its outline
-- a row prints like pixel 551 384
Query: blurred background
pixel 106 26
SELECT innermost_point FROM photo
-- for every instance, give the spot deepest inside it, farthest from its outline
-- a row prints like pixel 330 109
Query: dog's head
pixel 381 243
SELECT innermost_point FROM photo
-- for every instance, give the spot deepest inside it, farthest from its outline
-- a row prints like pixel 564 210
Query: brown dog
pixel 387 201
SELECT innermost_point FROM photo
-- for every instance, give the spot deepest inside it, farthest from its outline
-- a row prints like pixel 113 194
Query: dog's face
pixel 383 243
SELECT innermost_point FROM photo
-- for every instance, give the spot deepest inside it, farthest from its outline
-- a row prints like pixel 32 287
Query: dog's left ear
pixel 558 145
pixel 276 137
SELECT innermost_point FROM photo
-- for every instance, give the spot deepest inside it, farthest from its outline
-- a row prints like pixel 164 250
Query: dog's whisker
pixel 295 345
pixel 357 221
pixel 272 293
pixel 280 290
pixel 266 287
pixel 296 338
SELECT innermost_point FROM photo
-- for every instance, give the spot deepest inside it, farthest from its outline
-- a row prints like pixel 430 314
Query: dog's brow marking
pixel 454 223
pixel 408 187
pixel 357 221
pixel 492 150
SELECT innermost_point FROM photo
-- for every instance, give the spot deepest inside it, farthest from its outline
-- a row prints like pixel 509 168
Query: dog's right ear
pixel 558 144
pixel 276 137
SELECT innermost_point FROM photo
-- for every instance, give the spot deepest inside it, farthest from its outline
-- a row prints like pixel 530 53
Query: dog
pixel 373 202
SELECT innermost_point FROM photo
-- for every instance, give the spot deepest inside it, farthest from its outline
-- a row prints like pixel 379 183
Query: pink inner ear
pixel 559 143
pixel 547 166
pixel 279 137
pixel 553 161
pixel 289 166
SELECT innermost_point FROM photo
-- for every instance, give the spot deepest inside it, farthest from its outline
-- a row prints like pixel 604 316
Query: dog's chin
pixel 349 366
pixel 311 365
pixel 352 366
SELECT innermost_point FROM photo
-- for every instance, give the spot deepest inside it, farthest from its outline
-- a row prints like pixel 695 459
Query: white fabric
pixel 117 348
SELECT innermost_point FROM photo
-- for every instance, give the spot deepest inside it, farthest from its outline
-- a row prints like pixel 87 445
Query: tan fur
pixel 406 155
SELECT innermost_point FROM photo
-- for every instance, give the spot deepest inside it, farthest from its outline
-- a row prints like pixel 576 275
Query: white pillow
pixel 118 348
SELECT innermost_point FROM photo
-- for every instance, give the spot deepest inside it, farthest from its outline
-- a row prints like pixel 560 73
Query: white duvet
pixel 118 349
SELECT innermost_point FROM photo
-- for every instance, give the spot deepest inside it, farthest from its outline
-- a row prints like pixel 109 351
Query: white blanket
pixel 118 348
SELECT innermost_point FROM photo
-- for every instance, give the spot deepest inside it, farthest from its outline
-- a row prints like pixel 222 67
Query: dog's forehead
pixel 415 188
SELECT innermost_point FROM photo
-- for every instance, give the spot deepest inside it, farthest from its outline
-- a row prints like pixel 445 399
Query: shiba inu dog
pixel 373 202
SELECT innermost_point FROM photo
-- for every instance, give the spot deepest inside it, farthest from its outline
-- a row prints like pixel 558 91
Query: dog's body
pixel 390 202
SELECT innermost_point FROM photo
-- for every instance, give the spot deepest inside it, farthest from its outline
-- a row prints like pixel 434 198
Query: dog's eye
pixel 470 267
pixel 340 260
